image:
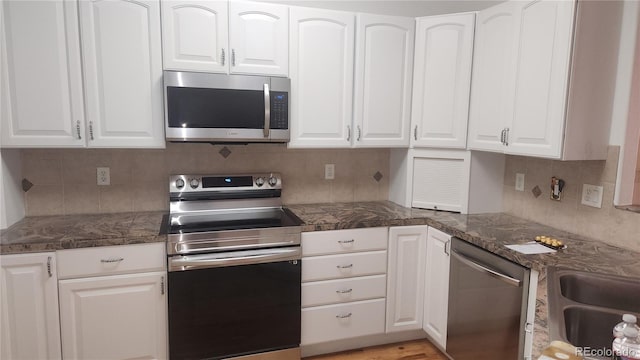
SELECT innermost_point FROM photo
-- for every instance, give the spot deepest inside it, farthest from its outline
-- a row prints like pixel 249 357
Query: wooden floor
pixel 411 350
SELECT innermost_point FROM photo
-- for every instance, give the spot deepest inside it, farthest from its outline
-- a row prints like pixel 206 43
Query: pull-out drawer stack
pixel 343 284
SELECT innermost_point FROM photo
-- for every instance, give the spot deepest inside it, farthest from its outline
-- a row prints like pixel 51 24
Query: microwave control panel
pixel 279 110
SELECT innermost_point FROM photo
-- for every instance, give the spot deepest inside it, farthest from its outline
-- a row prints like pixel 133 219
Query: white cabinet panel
pixel 123 73
pixel 344 265
pixel 344 241
pixel 442 80
pixel 195 35
pixel 321 71
pixel 436 288
pixel 384 65
pixel 29 307
pixel 41 102
pixel 405 277
pixel 343 290
pixel 544 51
pixel 493 76
pixel 258 36
pixel 114 317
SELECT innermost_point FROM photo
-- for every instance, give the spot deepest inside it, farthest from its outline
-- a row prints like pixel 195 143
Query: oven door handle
pixel 191 262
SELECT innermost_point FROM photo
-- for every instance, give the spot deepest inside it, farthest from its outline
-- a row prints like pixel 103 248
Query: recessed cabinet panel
pixel 123 73
pixel 195 35
pixel 441 180
pixel 41 84
pixel 259 38
pixel 442 80
pixel 384 64
pixel 493 76
pixel 321 54
pixel 436 290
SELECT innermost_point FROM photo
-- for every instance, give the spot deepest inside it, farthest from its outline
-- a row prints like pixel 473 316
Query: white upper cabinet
pixel 41 103
pixel 383 74
pixel 321 71
pixel 195 35
pixel 442 80
pixel 493 76
pixel 123 73
pixel 258 36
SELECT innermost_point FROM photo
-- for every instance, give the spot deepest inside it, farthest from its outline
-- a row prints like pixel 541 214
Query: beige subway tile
pixel 81 199
pixel 149 165
pixel 44 200
pixel 116 198
pixel 42 169
pixel 152 196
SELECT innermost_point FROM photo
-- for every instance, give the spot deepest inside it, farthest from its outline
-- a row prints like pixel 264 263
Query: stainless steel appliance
pixel 488 298
pixel 234 264
pixel 219 108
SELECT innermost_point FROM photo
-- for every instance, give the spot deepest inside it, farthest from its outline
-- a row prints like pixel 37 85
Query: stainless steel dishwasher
pixel 487 305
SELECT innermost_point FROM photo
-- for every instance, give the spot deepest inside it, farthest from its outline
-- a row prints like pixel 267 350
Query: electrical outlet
pixel 592 195
pixel 329 171
pixel 103 175
pixel 519 182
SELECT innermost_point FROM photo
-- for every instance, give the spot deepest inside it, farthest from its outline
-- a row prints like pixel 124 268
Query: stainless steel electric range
pixel 234 262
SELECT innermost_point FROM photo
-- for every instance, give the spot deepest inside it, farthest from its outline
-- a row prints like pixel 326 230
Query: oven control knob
pixel 194 183
pixel 273 181
pixel 179 183
pixel 260 181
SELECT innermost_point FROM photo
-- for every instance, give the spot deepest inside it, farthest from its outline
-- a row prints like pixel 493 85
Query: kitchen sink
pixel 584 307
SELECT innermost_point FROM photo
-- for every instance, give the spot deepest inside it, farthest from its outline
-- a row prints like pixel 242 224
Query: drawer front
pixel 343 321
pixel 344 266
pixel 344 241
pixel 344 290
pixel 108 260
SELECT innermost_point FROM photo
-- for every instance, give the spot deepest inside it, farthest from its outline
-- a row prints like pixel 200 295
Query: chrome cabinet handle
pixel 345 266
pixel 267 110
pixel 506 137
pixel 348 133
pixel 343 316
pixel 91 130
pixel 346 241
pixel 447 247
pixel 108 261
pixel 49 266
pixel 233 57
pixel 222 56
pixel 502 136
pixel 344 291
pixel 162 285
pixel 415 133
pixel 359 133
pixel 78 130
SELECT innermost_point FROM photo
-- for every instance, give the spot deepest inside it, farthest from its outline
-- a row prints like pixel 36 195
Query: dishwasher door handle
pixel 506 278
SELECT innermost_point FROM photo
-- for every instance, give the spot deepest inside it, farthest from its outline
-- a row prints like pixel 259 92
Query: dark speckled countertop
pixel 489 231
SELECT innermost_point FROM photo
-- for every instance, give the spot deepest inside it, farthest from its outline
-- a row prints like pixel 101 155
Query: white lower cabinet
pixel 29 316
pixel 436 287
pixel 405 277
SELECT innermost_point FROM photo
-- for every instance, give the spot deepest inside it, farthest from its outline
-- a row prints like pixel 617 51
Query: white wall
pixel 11 195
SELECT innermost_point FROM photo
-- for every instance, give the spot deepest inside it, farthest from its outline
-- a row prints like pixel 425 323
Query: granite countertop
pixel 489 231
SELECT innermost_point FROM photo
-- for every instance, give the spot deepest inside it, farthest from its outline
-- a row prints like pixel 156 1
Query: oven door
pixel 234 304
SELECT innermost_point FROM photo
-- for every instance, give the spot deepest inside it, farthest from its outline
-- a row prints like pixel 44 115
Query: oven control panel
pixel 203 183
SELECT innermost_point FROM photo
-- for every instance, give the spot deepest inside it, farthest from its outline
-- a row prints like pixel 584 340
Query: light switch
pixel 519 182
pixel 592 195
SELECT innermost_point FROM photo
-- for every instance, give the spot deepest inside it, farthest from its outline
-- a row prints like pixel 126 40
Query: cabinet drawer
pixel 343 290
pixel 342 321
pixel 344 265
pixel 107 260
pixel 344 241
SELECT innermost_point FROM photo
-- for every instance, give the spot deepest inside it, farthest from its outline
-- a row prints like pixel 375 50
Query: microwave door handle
pixel 267 110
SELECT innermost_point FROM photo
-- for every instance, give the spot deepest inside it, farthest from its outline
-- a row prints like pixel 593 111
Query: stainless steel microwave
pixel 201 107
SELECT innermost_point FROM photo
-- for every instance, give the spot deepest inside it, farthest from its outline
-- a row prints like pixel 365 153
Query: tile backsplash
pixel 64 180
pixel 607 224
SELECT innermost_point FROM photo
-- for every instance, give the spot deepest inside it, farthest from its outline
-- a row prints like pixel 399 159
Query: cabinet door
pixel 29 307
pixel 442 79
pixel 123 73
pixel 491 108
pixel 41 101
pixel 114 317
pixel 259 38
pixel 436 286
pixel 195 36
pixel 321 71
pixel 405 277
pixel 383 73
pixel 542 77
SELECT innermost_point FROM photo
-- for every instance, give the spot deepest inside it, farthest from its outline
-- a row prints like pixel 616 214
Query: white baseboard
pixel 360 342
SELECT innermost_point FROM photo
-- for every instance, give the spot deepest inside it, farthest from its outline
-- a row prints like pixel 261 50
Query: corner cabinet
pixel 405 277
pixel 383 74
pixel 29 307
pixel 321 71
pixel 436 287
pixel 442 80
